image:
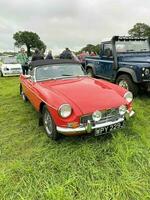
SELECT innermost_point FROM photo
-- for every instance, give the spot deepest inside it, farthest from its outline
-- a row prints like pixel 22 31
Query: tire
pixel 90 72
pixel 49 124
pixel 22 94
pixel 1 74
pixel 126 81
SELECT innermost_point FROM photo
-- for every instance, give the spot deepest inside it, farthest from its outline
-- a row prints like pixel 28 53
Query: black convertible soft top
pixel 38 63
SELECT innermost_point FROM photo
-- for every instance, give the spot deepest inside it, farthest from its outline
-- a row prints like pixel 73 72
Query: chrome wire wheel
pixel 48 124
pixel 124 84
pixel 23 96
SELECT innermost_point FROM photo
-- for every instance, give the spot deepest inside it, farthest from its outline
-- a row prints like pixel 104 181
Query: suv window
pixel 108 50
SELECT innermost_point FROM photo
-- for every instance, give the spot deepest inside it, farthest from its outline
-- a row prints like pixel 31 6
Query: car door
pixel 31 91
pixel 106 62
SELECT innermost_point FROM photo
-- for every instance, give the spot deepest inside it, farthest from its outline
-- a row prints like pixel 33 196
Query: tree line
pixel 31 40
pixel 138 30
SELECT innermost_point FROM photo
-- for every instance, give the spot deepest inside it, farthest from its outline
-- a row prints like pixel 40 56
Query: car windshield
pixel 9 60
pixel 132 46
pixel 56 71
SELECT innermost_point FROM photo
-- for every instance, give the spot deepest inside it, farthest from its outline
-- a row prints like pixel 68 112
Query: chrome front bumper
pixel 88 128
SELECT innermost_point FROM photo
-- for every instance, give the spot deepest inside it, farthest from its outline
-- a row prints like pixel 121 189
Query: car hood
pixel 86 93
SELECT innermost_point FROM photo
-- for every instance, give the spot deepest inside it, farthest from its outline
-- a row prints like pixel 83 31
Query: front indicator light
pixel 73 125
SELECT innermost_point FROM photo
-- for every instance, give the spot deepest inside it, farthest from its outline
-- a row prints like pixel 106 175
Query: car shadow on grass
pixel 86 138
pixel 143 94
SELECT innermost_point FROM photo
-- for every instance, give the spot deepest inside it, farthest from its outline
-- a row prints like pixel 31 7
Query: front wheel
pixel 90 72
pixel 49 125
pixel 126 82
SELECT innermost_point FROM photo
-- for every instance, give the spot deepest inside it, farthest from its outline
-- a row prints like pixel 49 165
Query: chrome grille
pixel 107 116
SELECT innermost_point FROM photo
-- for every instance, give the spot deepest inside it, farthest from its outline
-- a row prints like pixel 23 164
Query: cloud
pixel 62 23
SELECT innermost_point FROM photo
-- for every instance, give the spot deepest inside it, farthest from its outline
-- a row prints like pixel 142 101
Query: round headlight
pixel 128 96
pixel 147 71
pixel 122 110
pixel 97 115
pixel 65 110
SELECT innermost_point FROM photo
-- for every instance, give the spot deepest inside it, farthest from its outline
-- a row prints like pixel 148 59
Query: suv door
pixel 106 62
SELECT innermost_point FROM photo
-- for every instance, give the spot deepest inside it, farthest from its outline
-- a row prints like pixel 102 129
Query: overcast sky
pixel 67 23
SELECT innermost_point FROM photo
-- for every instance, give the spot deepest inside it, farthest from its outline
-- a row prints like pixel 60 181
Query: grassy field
pixel 32 167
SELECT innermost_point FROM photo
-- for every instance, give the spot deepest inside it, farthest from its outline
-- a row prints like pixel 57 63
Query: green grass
pixel 32 167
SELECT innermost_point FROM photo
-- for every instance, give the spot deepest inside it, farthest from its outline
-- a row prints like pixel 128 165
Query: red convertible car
pixel 70 102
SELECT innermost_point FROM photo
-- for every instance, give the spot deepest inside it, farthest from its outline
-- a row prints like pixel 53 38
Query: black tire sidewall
pixel 91 72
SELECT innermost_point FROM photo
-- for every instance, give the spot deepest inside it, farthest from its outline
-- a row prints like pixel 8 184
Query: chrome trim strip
pixel 98 60
pixel 84 129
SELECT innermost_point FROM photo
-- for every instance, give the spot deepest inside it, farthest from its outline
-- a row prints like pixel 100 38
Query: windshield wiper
pixel 62 77
pixel 47 79
pixel 66 75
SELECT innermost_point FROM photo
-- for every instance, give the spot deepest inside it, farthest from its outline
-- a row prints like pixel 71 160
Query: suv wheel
pixel 90 72
pixel 49 124
pixel 126 82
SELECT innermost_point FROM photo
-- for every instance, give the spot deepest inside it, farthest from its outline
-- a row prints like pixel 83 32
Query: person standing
pixel 49 55
pixel 66 54
pixel 22 58
pixel 37 55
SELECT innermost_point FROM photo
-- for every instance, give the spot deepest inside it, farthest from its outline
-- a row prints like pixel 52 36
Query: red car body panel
pixel 85 95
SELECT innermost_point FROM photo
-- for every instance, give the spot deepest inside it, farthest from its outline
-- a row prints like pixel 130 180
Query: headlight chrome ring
pixel 128 96
pixel 97 115
pixel 122 110
pixel 65 110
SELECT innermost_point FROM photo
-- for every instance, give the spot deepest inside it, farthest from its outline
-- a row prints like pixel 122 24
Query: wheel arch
pixel 42 104
pixel 20 88
pixel 128 72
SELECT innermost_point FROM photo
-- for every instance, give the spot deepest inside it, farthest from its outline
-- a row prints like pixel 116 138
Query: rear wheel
pixel 90 72
pixel 1 74
pixel 24 97
pixel 49 124
pixel 126 81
